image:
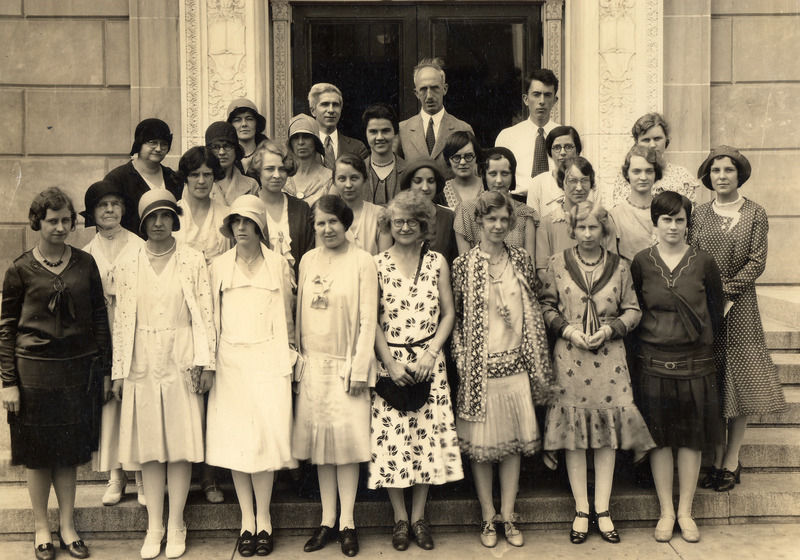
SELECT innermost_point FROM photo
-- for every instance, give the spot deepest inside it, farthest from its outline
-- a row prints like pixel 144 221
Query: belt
pixel 685 364
pixel 409 346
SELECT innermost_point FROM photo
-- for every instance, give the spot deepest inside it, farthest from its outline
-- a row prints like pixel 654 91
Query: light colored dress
pixel 239 185
pixel 364 231
pixel 552 236
pixel 121 247
pixel 249 422
pixel 204 237
pixel 337 314
pixel 414 447
pixel 280 238
pixel 318 186
pixel 465 224
pixel 634 227
pixel 161 420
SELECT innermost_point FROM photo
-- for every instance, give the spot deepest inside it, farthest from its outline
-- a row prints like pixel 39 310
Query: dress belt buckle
pixel 671 365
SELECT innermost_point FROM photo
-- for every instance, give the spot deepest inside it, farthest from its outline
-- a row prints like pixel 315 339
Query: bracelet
pixel 434 356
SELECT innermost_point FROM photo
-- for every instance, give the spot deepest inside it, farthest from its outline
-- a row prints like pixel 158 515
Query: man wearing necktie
pixel 325 104
pixel 425 134
pixel 527 139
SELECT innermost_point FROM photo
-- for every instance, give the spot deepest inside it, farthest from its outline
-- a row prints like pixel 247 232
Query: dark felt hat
pixel 93 195
pixel 150 129
pixel 720 151
pixel 224 131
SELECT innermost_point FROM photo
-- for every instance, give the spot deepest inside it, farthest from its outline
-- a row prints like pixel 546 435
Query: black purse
pixel 408 398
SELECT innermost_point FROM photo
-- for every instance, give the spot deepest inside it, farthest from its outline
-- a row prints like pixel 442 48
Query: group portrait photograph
pixel 315 279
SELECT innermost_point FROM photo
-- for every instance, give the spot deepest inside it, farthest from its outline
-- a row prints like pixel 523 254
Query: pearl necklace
pixel 152 254
pixel 376 164
pixel 719 204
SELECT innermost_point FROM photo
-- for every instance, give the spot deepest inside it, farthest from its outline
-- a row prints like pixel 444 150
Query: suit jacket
pixel 301 229
pixel 349 145
pixel 412 143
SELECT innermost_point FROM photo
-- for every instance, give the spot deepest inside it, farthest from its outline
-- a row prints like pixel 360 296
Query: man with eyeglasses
pixel 325 103
pixel 222 139
pixel 527 139
pixel 425 134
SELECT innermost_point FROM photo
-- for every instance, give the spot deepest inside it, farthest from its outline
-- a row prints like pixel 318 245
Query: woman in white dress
pixel 222 140
pixel 337 314
pixel 113 244
pixel 349 174
pixel 249 422
pixel 164 359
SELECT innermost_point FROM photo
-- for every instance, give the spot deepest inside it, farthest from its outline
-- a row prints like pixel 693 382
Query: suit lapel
pixel 446 128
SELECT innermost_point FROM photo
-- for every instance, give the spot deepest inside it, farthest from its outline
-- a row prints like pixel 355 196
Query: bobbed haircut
pixel 458 140
pixel 492 200
pixel 413 204
pixel 584 210
pixel 562 131
pixel 581 163
pixel 381 111
pixel 195 158
pixel 270 147
pixel 544 75
pixel 54 199
pixel 353 161
pixel 334 205
pixel 648 121
pixel 669 203
pixel 496 154
pixel 650 155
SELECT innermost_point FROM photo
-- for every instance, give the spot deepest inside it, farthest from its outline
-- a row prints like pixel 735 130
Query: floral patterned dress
pixel 416 447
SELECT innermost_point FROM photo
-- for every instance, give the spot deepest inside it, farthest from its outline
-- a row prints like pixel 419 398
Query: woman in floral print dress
pixel 414 448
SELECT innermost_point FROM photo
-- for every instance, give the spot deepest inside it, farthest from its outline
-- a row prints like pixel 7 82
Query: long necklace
pixel 58 262
pixel 152 254
pixel 645 207
pixel 496 279
pixel 595 263
pixel 498 261
pixel 250 262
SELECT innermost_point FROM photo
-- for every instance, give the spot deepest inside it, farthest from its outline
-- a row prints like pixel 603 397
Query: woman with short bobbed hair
pixel 337 315
pixel 462 154
pixel 653 131
pixel 544 194
pixel 55 353
pixel 289 230
pixel 384 167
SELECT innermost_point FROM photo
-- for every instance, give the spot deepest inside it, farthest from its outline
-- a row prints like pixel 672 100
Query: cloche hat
pixel 720 151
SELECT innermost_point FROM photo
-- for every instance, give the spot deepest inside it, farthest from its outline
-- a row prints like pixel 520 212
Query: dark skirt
pixel 679 404
pixel 55 426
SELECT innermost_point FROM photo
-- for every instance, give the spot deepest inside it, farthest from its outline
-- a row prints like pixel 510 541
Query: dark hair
pixel 669 203
pixel 544 75
pixel 150 129
pixel 495 154
pixel 423 163
pixel 353 161
pixel 583 166
pixel 583 210
pixel 650 155
pixel 412 202
pixel 195 158
pixel 648 121
pixel 54 199
pixel 333 204
pixel 286 155
pixel 381 111
pixel 736 164
pixel 458 140
pixel 491 200
pixel 563 131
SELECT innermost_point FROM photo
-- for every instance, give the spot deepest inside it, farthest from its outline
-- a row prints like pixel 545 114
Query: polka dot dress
pixel 738 242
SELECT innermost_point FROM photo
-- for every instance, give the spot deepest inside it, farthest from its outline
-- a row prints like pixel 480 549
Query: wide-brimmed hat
pixel 240 106
pixel 720 151
pixel 224 131
pixel 150 129
pixel 246 206
pixel 158 199
pixel 93 195
pixel 303 124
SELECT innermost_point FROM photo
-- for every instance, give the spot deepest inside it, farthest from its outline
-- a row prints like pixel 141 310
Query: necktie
pixel 539 157
pixel 330 159
pixel 430 137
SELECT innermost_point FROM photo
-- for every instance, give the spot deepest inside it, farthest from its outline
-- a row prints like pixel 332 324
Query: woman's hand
pixel 579 339
pixel 399 374
pixel 206 380
pixel 597 339
pixel 107 393
pixel 116 388
pixel 10 398
pixel 425 365
pixel 356 388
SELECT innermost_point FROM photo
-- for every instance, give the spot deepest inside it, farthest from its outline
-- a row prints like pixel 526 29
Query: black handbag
pixel 408 398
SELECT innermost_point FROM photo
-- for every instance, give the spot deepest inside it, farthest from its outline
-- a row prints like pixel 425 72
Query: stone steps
pixel 780 335
pixel 780 302
pixel 789 418
pixel 788 364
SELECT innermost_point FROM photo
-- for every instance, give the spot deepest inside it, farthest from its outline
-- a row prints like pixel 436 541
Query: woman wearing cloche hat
pixel 164 359
pixel 311 179
pixel 733 229
pixel 249 124
pixel 222 140
pixel 252 399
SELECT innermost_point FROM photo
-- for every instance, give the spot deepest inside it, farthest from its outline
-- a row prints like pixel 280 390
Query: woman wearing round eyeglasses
pixel 544 194
pixel 151 143
pixel 221 139
pixel 498 170
pixel 462 152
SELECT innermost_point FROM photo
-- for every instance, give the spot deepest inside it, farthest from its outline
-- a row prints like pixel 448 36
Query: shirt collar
pixel 437 118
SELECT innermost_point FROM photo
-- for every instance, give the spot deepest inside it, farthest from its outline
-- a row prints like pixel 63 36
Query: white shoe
pixel 115 490
pixel 176 542
pixel 152 544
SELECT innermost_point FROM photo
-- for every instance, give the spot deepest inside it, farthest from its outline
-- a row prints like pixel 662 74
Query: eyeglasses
pixel 565 147
pixel 411 223
pixel 153 144
pixel 226 146
pixel 573 182
pixel 466 157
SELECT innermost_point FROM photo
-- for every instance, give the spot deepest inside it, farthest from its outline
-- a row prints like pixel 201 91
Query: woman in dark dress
pixel 734 229
pixel 54 344
pixel 680 294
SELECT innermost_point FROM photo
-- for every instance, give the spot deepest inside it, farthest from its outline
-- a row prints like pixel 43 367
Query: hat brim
pixel 261 121
pixel 744 168
pixel 161 205
pixel 317 142
pixel 227 231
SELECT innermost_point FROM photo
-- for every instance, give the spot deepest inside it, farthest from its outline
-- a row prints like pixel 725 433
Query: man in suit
pixel 325 103
pixel 425 134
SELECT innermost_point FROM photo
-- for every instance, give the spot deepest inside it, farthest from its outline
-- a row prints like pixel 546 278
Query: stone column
pixel 553 45
pixel 282 67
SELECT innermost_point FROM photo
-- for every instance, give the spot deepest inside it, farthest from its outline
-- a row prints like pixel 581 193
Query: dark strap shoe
pixel 264 543
pixel 45 551
pixel 246 545
pixel 322 535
